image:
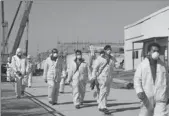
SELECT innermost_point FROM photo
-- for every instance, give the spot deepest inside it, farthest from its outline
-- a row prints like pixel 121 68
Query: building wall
pixel 157 26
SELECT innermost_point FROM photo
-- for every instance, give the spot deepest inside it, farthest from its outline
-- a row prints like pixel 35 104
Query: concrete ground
pixel 121 102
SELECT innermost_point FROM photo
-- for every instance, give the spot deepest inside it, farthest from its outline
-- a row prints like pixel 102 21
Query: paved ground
pixel 19 107
pixel 121 102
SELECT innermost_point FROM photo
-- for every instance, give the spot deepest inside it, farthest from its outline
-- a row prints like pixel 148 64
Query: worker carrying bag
pixel 95 82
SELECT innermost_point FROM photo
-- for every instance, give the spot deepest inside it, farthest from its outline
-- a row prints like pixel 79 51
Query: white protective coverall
pixel 79 80
pixel 156 93
pixel 29 71
pixel 19 65
pixel 104 79
pixel 53 72
pixel 62 82
pixel 9 71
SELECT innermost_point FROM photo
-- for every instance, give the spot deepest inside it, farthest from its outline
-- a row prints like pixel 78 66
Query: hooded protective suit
pixel 104 79
pixel 53 72
pixel 29 71
pixel 19 69
pixel 156 92
pixel 62 82
pixel 9 70
pixel 79 79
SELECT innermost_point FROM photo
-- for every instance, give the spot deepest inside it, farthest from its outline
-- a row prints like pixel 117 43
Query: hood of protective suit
pixel 28 56
pixel 18 50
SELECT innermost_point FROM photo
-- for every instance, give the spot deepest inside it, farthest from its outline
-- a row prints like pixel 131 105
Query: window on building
pixel 135 55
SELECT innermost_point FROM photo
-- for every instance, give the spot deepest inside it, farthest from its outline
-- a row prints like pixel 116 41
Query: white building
pixel 153 28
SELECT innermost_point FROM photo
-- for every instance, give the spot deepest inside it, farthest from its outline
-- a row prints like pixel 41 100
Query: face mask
pixel 155 55
pixel 19 55
pixel 108 52
pixel 55 55
pixel 78 56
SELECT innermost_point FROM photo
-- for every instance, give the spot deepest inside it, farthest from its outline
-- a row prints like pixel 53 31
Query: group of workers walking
pixel 151 79
pixel 78 74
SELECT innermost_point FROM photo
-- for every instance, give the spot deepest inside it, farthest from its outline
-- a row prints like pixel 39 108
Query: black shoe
pixel 106 111
pixel 103 110
pixel 53 103
pixel 22 93
pixel 77 106
pixel 62 92
pixel 18 97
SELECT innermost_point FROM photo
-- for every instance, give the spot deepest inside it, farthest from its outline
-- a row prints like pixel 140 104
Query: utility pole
pixel 3 29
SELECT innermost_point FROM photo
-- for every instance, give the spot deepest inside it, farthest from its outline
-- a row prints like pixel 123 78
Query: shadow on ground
pixel 85 102
pixel 123 109
pixel 7 93
pixel 111 104
pixel 21 107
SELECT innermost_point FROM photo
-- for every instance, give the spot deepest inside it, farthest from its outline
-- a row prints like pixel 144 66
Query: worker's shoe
pixel 77 106
pixel 29 86
pixel 62 92
pixel 52 103
pixel 105 111
pixel 22 93
pixel 18 97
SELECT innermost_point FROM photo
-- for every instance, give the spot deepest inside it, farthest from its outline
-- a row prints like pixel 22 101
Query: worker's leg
pixel 82 90
pixel 108 89
pixel 30 80
pixel 51 90
pixel 102 95
pixel 160 109
pixel 24 84
pixel 8 78
pixel 56 92
pixel 97 92
pixel 18 85
pixel 62 85
pixel 76 94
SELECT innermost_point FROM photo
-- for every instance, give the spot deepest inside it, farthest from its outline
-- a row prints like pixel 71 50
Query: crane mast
pixel 22 26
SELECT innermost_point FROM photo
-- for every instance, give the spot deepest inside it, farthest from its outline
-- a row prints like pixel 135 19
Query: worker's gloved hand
pixel 141 95
pixel 68 82
pixel 45 80
pixel 19 73
pixel 93 83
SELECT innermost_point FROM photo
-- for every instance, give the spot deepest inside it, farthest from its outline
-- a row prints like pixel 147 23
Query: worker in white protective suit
pixel 19 68
pixel 103 74
pixel 29 70
pixel 151 82
pixel 78 75
pixel 9 69
pixel 53 72
pixel 92 59
pixel 62 82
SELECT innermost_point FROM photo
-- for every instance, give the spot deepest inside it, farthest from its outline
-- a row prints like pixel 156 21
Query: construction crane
pixel 23 22
pixel 22 26
pixel 5 37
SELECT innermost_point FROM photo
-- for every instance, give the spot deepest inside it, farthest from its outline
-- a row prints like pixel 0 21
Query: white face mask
pixel 55 55
pixel 78 56
pixel 155 55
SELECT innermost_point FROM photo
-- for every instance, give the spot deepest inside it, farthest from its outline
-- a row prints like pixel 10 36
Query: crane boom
pixel 22 26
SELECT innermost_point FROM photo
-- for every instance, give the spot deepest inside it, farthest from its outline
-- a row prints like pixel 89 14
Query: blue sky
pixel 67 20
